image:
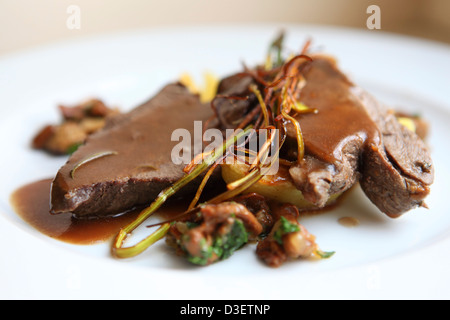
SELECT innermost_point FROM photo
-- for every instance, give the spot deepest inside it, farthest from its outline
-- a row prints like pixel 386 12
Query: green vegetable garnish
pixel 324 255
pixel 205 254
pixel 274 57
pixel 223 245
pixel 226 245
pixel 285 227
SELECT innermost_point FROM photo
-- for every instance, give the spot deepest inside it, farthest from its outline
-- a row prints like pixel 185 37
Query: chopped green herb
pixel 325 255
pixel 191 225
pixel 205 254
pixel 223 246
pixel 285 227
pixel 226 245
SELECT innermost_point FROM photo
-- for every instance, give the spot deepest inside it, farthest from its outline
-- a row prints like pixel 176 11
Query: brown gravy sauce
pixel 31 203
pixel 341 119
pixel 348 222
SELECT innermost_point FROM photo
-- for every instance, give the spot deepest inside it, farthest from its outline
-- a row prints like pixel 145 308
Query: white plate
pixel 382 258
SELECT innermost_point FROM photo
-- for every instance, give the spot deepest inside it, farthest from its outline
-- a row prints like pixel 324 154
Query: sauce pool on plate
pixel 31 203
pixel 348 222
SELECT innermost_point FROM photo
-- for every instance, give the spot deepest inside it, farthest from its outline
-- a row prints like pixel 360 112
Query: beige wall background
pixel 29 23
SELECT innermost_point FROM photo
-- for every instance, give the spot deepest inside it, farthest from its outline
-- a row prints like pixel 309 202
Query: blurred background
pixel 29 23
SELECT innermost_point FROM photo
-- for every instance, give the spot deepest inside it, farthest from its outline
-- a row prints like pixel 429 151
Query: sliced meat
pixel 334 138
pixel 397 176
pixel 415 123
pixel 351 138
pixel 139 164
pixel 358 139
pixel 319 180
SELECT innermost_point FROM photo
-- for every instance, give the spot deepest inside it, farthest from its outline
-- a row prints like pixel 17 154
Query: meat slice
pixel 396 176
pixel 352 138
pixel 319 180
pixel 358 139
pixel 137 164
pixel 335 137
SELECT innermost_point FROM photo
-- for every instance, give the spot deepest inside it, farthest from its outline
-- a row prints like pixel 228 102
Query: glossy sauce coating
pixel 341 118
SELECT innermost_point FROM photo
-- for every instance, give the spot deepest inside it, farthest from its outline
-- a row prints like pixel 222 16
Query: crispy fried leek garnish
pixel 254 174
pixel 254 89
pixel 202 186
pixel 274 57
pixel 298 135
